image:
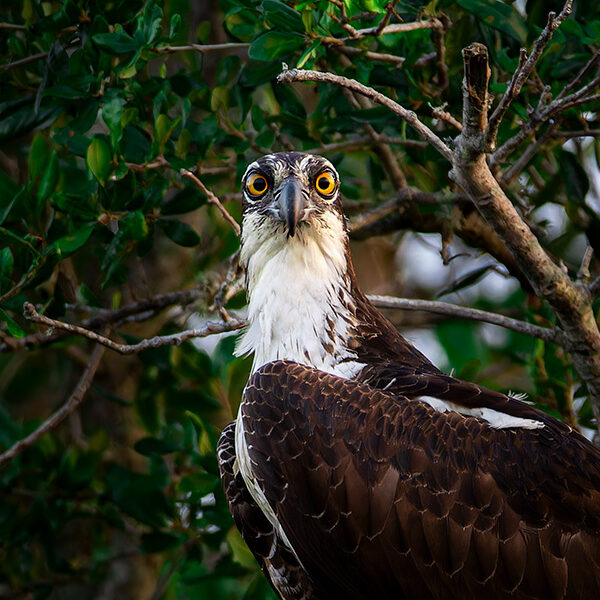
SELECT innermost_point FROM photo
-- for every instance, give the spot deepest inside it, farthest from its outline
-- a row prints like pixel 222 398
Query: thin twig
pixel 201 47
pixel 147 308
pixel 291 75
pixel 366 141
pixel 440 113
pixel 474 314
pixel 541 115
pixel 584 274
pixel 212 199
pixel 515 170
pixel 575 134
pixel 23 61
pixel 582 73
pixel 524 70
pixel 64 411
pixel 13 26
pixel 157 163
pixel 374 56
pixel 394 28
pixel 175 339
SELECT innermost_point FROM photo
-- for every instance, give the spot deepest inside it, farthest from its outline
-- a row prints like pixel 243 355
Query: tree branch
pixel 23 61
pixel 212 199
pixel 64 411
pixel 554 335
pixel 570 302
pixel 147 308
pixel 175 339
pixel 201 48
pixel 292 75
pixel 521 75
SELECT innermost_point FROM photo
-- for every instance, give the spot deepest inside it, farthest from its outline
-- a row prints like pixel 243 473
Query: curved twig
pixel 64 411
pixel 291 75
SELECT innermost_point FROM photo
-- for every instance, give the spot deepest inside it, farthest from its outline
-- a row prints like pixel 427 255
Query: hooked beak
pixel 291 204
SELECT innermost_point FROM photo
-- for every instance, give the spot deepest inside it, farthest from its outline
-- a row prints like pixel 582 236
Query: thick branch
pixel 405 212
pixel 463 312
pixel 175 339
pixel 292 75
pixel 570 302
pixel 64 411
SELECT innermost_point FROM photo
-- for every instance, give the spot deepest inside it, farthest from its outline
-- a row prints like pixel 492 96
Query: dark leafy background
pixel 123 500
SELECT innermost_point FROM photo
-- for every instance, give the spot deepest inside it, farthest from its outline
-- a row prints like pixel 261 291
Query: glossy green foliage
pixel 101 106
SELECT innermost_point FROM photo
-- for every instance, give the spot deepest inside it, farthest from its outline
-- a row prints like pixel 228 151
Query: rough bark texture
pixel 570 302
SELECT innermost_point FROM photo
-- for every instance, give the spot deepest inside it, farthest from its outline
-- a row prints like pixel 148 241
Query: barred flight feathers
pixel 389 496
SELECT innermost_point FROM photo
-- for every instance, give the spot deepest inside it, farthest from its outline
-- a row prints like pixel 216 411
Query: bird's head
pixel 289 195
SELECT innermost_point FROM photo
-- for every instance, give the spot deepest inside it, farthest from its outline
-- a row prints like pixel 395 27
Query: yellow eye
pixel 325 184
pixel 257 185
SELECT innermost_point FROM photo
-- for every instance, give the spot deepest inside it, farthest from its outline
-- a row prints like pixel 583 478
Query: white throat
pixel 300 307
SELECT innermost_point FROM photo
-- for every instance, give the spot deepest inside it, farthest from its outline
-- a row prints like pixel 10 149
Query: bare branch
pixel 146 308
pixel 175 339
pixel 442 115
pixel 541 115
pixel 366 141
pixel 375 56
pixel 64 411
pixel 23 61
pixel 579 77
pixel 521 75
pixel 201 48
pixel 514 171
pixel 212 199
pixel 395 28
pixel 13 26
pixel 567 135
pixel 463 312
pixel 292 75
pixel 570 303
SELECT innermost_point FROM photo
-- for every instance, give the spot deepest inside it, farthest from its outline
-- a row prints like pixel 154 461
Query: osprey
pixel 355 468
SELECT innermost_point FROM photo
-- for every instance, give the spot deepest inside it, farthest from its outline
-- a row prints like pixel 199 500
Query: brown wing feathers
pixel 434 504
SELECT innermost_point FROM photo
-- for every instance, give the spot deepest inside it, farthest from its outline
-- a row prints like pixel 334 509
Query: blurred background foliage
pixel 102 104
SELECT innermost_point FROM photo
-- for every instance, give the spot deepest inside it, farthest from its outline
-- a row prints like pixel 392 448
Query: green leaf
pixel 49 179
pixel 7 262
pixel 282 17
pixel 115 43
pixel 272 45
pixel 70 243
pixel 179 232
pixel 164 128
pixel 159 541
pixel 98 159
pixel 112 112
pixel 465 280
pixel 11 325
pixel 38 156
pixel 498 15
pixel 150 446
pixel 184 201
pixel 134 225
pixel 174 25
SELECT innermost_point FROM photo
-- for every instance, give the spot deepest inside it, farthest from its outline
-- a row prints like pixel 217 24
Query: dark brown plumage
pixel 371 492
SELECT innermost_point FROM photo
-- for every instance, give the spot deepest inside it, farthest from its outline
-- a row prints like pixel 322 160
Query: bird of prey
pixel 355 468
